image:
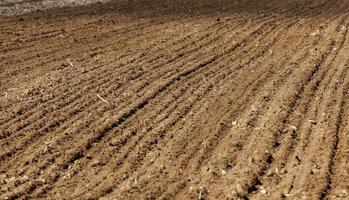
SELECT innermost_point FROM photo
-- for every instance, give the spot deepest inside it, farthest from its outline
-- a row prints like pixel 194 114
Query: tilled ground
pixel 185 99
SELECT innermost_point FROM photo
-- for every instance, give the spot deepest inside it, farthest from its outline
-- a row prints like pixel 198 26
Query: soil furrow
pixel 183 99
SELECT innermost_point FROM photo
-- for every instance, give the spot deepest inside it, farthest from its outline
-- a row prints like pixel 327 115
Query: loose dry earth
pixel 185 99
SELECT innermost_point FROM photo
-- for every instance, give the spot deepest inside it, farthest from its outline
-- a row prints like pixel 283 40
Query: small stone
pixel 25 177
pixel 223 171
pixel 314 171
pixel 264 191
pixel 283 171
pixel 317 32
pixel 234 123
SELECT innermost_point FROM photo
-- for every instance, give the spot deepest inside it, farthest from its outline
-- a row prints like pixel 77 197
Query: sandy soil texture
pixel 180 99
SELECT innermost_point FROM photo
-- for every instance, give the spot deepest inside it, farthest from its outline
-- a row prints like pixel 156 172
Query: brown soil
pixel 182 99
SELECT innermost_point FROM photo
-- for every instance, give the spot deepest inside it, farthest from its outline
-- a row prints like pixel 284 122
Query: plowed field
pixel 181 99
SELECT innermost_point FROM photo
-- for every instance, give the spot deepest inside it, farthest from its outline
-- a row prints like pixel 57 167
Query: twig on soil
pixel 313 122
pixel 6 95
pixel 101 98
pixel 201 196
pixel 202 193
pixel 204 78
pixel 70 63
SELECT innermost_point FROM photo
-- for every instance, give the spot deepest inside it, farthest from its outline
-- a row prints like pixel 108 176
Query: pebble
pixel 223 171
pixel 264 191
